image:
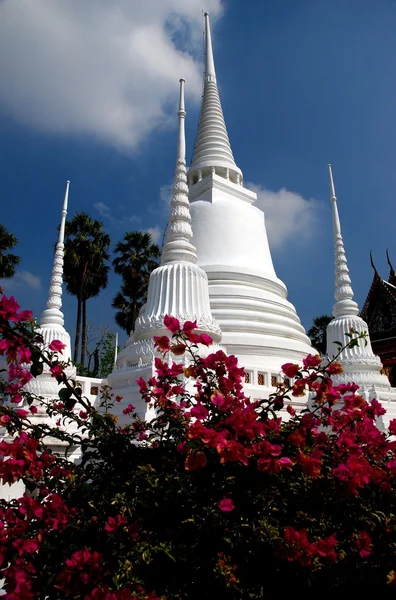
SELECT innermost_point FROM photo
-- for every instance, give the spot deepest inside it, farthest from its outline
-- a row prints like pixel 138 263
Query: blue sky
pixel 89 93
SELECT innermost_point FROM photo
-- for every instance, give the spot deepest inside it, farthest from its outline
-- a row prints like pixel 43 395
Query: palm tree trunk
pixel 84 332
pixel 78 330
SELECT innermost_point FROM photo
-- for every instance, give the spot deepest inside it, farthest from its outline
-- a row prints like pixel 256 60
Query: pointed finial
pixel 53 314
pixel 181 113
pixel 392 270
pixel 115 351
pixel 210 73
pixel 178 236
pixel 372 264
pixel 345 305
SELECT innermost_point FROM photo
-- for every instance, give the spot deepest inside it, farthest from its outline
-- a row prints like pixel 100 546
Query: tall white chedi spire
pixel 360 364
pixel 248 300
pixel 52 319
pixel 178 287
pixel 212 145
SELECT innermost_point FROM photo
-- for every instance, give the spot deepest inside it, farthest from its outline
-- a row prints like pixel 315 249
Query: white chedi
pixel 259 325
pixel 178 287
pixel 360 364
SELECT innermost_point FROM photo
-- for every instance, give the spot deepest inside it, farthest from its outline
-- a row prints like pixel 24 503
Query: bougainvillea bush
pixel 215 498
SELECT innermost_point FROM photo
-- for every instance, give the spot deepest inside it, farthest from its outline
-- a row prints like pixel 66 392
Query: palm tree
pixel 137 257
pixel 85 269
pixel 8 261
pixel 317 333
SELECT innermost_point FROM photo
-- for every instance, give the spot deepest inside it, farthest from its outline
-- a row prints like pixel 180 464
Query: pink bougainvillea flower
pixel 205 339
pixel 25 315
pixel 56 371
pixel 334 368
pixel 22 413
pixel 312 361
pixel 143 389
pixel 162 343
pixel 33 409
pixel 24 354
pixel 57 346
pixel 392 427
pixel 364 544
pixel 172 324
pixel 128 410
pixel 226 505
pixel 195 461
pixel 178 349
pixel 9 308
pixel 189 326
pixel 83 415
pixel 290 369
pixel 115 523
pixel 199 411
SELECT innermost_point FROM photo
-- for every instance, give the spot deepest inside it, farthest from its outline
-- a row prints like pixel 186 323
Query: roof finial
pixel 178 246
pixel 210 73
pixel 345 304
pixel 392 270
pixel 373 265
pixel 52 313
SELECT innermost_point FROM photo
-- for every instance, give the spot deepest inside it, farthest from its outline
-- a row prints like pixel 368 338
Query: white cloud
pixel 124 221
pixel 102 209
pixel 22 279
pixel 166 195
pixel 156 234
pixel 106 69
pixel 287 215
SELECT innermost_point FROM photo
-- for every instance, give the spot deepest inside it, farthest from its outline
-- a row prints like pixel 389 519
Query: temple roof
pixel 379 309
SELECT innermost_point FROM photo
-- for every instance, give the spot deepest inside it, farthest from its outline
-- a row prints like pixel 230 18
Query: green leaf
pixel 65 394
pixel 36 369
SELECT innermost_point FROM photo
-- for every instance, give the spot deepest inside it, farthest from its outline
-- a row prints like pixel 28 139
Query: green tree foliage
pixel 8 261
pixel 136 257
pixel 317 333
pixel 86 270
pixel 100 356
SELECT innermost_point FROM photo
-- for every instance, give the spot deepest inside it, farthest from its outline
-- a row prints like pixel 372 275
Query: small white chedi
pixel 360 364
pixel 178 287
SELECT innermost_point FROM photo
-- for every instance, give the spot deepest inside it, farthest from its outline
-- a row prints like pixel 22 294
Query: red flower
pixel 290 369
pixel 392 427
pixel 83 414
pixel 364 544
pixel 22 413
pixel 325 547
pixel 143 389
pixel 178 349
pixel 162 343
pixel 172 324
pixel 189 326
pixel 56 371
pixel 114 523
pixel 57 346
pixel 25 546
pixel 310 466
pixel 226 505
pixel 195 461
pixel 205 339
pixel 199 411
pixel 310 361
pixel 334 368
